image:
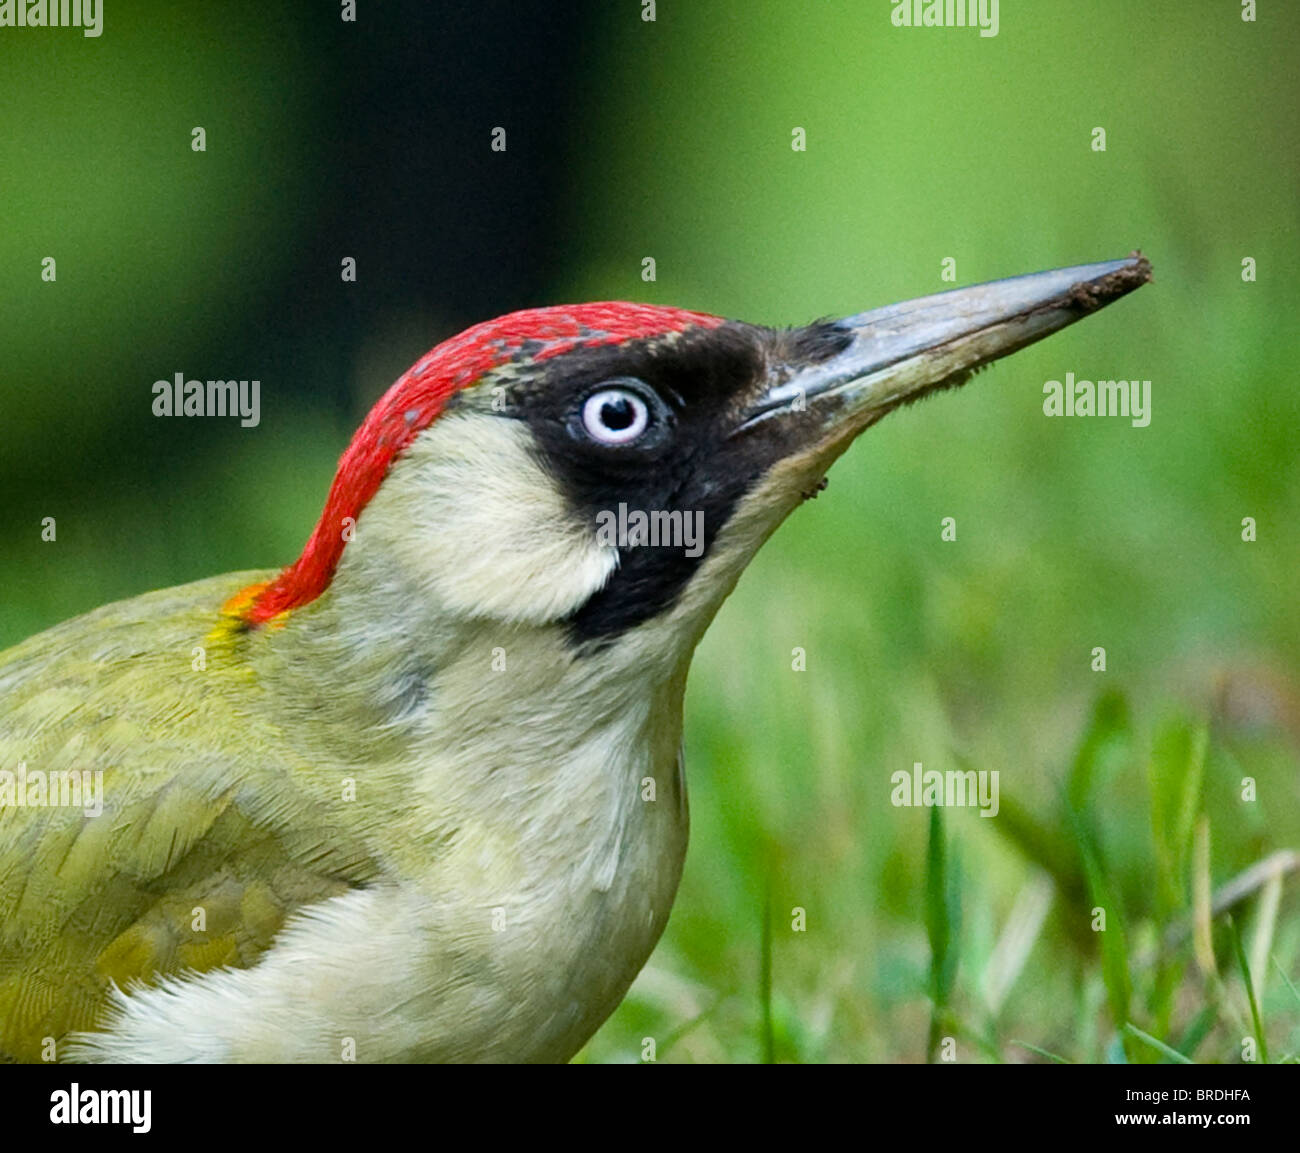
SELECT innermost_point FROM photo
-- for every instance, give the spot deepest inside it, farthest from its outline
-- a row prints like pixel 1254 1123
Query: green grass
pixel 1071 985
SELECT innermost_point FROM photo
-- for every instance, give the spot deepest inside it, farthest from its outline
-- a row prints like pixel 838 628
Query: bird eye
pixel 615 416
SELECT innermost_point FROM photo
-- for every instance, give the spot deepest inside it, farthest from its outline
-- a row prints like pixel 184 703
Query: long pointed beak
pixel 903 351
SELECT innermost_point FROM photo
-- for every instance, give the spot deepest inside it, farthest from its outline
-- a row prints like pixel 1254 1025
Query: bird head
pixel 504 472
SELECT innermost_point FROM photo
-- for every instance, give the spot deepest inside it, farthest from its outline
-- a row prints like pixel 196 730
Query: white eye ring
pixel 596 410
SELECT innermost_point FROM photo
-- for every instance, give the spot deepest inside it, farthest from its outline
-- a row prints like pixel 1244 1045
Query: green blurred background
pixel 671 139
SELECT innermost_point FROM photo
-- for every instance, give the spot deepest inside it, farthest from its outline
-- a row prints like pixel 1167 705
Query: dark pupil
pixel 616 415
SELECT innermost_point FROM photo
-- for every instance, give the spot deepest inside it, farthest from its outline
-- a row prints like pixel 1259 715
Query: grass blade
pixel 1294 991
pixel 1250 989
pixel 1042 1052
pixel 941 903
pixel 1159 1046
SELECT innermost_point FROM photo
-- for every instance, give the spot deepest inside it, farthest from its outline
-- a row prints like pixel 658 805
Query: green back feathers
pixel 212 831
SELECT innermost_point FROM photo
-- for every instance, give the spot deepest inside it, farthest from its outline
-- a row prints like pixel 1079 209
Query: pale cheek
pixel 476 521
pixel 525 566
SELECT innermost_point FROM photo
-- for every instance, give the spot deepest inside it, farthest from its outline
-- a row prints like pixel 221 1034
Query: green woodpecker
pixel 391 803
